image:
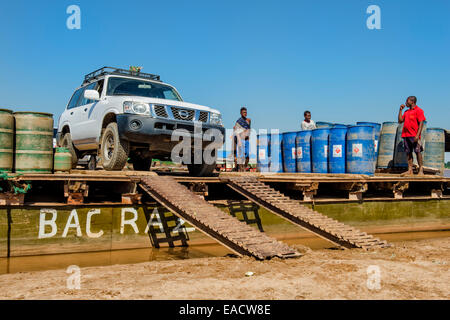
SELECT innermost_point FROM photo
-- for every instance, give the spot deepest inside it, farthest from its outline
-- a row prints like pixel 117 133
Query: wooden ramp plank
pixel 321 225
pixel 229 231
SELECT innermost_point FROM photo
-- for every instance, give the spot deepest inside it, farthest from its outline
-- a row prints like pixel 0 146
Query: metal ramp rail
pixel 323 226
pixel 237 236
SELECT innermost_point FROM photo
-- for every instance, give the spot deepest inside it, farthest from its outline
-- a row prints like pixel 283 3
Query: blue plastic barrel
pixel 276 158
pixel 386 145
pixel 289 152
pixel 263 152
pixel 322 124
pixel 377 127
pixel 435 149
pixel 339 125
pixel 360 150
pixel 336 149
pixel 319 150
pixel 303 144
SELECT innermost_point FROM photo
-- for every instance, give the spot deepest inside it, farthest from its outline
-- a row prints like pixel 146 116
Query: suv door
pixel 68 116
pixel 87 120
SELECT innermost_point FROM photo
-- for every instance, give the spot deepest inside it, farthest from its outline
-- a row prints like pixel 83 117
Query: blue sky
pixel 278 58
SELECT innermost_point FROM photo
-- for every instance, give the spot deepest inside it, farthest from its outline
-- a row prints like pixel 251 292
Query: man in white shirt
pixel 308 124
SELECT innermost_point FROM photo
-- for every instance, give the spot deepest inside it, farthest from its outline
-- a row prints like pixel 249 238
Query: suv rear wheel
pixel 200 170
pixel 113 150
pixel 66 142
pixel 141 164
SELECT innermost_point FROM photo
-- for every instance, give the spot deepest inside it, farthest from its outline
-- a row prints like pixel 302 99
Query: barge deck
pixel 99 186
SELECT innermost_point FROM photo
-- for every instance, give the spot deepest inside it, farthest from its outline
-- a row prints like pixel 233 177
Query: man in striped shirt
pixel 241 141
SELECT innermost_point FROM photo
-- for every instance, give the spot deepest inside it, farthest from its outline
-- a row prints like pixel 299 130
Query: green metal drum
pixel 34 142
pixel 435 149
pixel 422 141
pixel 62 160
pixel 386 145
pixel 6 140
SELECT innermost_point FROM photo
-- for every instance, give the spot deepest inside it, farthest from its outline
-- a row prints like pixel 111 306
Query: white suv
pixel 122 115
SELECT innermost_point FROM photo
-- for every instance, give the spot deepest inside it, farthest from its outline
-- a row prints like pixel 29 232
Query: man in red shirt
pixel 412 120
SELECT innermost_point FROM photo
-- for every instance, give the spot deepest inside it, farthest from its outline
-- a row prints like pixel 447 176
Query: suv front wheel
pixel 113 150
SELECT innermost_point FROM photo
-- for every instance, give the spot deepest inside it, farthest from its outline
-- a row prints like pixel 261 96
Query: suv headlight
pixel 215 118
pixel 136 107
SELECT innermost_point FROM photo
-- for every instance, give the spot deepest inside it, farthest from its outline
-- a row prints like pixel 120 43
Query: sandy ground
pixel 410 270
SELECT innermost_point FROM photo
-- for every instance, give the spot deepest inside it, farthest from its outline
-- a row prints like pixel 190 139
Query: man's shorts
pixel 411 146
pixel 243 151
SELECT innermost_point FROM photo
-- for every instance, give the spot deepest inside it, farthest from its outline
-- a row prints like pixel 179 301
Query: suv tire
pixel 66 142
pixel 113 150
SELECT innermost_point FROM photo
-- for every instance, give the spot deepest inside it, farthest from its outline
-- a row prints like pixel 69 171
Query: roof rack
pixel 111 70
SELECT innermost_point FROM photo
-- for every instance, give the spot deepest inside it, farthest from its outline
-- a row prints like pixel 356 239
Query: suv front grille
pixel 203 116
pixel 160 111
pixel 183 114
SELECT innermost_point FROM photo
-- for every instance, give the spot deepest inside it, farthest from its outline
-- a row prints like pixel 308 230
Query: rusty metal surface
pixel 325 227
pixel 236 235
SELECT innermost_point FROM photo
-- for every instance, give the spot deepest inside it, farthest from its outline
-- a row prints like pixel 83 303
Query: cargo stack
pixel 387 145
pixel 34 142
pixel 340 148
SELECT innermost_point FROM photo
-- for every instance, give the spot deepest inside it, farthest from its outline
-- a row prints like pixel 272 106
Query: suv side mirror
pixel 91 95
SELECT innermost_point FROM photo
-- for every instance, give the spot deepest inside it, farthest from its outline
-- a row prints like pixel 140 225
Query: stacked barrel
pixel 337 149
pixel 263 152
pixel 434 149
pixel 26 143
pixel 269 152
pixel 361 149
pixel 34 142
pixel 303 147
pixel 6 140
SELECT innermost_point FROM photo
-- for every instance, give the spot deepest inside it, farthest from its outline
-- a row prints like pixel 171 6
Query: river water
pixel 388 220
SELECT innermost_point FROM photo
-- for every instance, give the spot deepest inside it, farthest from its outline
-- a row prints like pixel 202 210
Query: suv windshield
pixel 141 88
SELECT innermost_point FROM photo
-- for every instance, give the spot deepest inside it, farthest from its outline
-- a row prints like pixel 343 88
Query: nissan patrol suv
pixel 126 115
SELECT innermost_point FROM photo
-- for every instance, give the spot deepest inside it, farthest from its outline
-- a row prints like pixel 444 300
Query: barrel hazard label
pixel 376 145
pixel 299 153
pixel 293 152
pixel 325 151
pixel 337 151
pixel 262 154
pixel 357 150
